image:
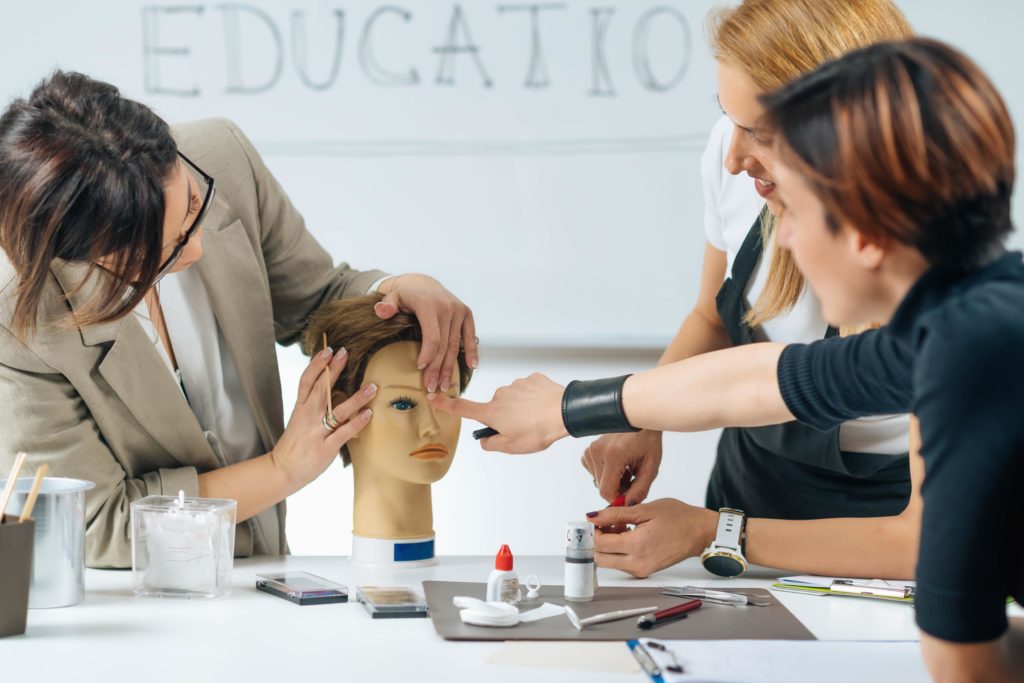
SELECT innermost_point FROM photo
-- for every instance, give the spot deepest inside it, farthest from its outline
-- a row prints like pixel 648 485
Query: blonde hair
pixel 773 42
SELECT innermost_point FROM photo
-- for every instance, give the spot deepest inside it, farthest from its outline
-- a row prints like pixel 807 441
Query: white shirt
pixel 731 205
pixel 206 371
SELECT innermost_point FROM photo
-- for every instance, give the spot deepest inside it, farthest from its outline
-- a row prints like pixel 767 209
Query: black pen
pixel 669 615
pixel 484 433
pixel 647 622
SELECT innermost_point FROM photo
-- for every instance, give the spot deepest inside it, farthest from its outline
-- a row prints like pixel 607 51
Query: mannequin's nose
pixel 429 426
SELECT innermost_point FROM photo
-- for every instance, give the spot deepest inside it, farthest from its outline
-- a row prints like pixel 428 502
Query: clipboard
pixel 872 589
pixel 646 661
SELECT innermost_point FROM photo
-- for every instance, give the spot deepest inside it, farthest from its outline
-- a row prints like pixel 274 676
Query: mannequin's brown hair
pixel 354 325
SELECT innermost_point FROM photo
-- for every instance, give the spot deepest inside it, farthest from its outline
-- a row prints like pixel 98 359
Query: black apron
pixel 793 471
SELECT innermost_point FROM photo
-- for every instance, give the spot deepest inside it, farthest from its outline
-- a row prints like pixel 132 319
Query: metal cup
pixel 58 562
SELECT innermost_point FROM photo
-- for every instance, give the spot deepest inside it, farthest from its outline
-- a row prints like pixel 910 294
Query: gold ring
pixel 330 422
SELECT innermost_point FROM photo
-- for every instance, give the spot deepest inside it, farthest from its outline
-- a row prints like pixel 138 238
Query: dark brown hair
pixel 908 141
pixel 82 173
pixel 354 325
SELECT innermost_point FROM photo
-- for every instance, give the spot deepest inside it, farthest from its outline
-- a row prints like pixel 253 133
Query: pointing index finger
pixel 461 407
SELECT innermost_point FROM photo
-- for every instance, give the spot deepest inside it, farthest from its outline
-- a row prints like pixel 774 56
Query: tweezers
pixel 713 596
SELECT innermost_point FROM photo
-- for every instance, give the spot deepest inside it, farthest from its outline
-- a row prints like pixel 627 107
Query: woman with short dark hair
pixel 897 163
pixel 146 274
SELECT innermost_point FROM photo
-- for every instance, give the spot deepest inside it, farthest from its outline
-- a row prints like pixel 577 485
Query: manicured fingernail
pixel 368 413
pixel 371 389
pixel 474 364
pixel 342 352
pixel 444 385
pixel 327 353
pixel 421 366
pixel 632 504
pixel 592 514
pixel 431 386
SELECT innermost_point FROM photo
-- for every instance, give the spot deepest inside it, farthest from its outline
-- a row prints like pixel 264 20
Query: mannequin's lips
pixel 432 451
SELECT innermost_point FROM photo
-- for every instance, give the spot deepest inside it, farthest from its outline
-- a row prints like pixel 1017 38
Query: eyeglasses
pixel 196 224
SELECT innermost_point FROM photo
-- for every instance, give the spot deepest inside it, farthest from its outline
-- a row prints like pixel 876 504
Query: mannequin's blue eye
pixel 403 404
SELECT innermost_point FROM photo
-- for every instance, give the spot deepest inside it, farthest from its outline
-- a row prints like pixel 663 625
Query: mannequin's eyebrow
pixel 408 388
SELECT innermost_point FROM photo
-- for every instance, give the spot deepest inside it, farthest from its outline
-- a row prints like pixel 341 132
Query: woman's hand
pixel 446 322
pixel 307 448
pixel 666 531
pixel 527 414
pixel 614 459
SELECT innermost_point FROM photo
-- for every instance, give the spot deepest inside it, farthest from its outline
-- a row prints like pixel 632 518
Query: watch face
pixel 723 565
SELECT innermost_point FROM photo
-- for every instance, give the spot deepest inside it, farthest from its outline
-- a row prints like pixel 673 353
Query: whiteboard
pixel 541 159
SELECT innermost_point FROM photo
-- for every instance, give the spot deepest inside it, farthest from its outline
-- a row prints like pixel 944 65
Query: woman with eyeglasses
pixel 146 274
pixel 895 166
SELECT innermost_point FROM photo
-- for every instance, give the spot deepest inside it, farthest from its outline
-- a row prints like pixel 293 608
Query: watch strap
pixel 732 528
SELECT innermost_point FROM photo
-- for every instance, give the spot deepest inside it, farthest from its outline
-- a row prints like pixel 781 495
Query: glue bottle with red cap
pixel 503 584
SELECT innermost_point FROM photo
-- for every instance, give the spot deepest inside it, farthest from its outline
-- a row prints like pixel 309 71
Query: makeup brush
pixel 30 502
pixel 12 481
pixel 329 408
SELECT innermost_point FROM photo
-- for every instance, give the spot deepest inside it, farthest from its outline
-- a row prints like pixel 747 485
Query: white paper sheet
pixel 768 661
pixel 610 657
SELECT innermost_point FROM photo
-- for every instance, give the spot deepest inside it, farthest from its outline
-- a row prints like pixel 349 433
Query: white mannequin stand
pixel 383 552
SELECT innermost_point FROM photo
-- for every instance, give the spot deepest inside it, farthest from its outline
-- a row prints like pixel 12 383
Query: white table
pixel 252 636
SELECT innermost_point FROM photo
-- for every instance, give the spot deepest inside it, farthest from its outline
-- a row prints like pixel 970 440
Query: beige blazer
pixel 97 402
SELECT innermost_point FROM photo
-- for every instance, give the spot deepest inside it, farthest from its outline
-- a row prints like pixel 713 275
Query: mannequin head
pixel 406 439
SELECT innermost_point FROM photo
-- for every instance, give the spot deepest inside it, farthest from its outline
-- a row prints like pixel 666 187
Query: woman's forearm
pixel 732 387
pixel 698 334
pixel 256 484
pixel 702 330
pixel 869 547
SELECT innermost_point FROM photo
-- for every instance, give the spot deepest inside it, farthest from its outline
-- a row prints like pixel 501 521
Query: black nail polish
pixel 591 514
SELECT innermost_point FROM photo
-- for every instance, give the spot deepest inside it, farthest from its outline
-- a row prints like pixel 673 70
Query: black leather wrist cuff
pixel 595 407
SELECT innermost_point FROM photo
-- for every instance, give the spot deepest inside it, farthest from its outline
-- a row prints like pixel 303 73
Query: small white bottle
pixel 503 584
pixel 580 570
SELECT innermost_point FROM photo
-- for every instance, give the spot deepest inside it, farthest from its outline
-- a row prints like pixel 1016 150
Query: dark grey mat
pixel 710 622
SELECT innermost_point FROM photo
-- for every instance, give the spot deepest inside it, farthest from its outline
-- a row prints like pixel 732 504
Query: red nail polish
pixel 592 514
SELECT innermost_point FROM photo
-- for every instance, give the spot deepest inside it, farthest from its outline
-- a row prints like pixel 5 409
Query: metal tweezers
pixel 713 596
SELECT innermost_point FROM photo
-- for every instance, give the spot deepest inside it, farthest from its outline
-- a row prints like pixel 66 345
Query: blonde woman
pixel 837 502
